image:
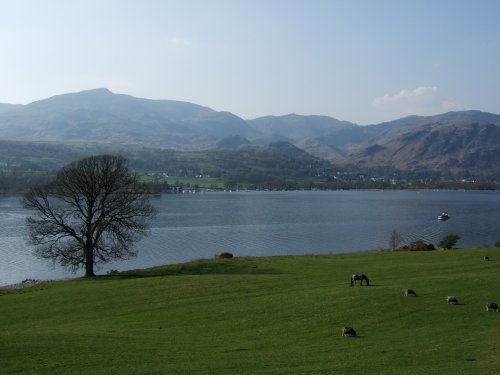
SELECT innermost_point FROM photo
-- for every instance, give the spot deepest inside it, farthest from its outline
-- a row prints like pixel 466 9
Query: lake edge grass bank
pixel 263 315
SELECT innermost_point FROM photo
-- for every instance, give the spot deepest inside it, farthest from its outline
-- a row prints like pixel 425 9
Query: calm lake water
pixel 192 226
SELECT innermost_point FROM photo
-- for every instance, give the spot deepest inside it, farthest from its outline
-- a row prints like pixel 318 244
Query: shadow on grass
pixel 235 266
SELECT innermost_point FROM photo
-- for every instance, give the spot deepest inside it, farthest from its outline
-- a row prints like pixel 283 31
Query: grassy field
pixel 274 315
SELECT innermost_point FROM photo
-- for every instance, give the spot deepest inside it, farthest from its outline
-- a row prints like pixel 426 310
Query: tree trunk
pixel 89 262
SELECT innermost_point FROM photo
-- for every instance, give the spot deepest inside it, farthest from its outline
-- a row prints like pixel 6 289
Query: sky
pixel 364 61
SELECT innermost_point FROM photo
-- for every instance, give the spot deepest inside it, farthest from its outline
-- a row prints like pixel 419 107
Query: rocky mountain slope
pixel 457 142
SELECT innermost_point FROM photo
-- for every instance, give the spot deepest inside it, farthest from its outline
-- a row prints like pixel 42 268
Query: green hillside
pixel 274 315
pixel 278 164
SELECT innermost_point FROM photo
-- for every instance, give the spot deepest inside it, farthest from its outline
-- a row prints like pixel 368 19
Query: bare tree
pixel 93 211
pixel 395 239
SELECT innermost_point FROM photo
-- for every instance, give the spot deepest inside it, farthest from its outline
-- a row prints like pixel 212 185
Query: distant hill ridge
pixel 101 116
pixel 465 142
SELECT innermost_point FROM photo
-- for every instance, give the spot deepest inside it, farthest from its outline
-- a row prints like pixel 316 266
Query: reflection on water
pixel 274 223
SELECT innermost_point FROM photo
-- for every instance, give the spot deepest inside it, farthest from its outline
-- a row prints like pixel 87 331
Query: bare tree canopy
pixel 395 239
pixel 93 211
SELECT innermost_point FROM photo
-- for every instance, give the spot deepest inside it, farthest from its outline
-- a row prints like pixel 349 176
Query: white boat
pixel 443 216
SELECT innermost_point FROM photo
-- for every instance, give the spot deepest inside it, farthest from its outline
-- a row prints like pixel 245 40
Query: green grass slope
pixel 275 315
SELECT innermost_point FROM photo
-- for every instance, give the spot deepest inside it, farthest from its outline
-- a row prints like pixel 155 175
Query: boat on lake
pixel 443 216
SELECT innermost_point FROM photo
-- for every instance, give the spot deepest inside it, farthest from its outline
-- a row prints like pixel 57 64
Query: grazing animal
pixel 410 293
pixel 492 306
pixel 348 331
pixel 362 277
pixel 451 300
pixel 486 258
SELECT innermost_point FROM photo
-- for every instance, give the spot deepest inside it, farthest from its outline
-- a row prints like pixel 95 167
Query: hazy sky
pixel 362 61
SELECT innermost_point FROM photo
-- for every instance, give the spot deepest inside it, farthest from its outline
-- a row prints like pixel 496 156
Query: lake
pixel 192 226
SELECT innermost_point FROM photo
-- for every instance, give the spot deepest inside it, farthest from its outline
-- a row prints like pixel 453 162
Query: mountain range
pixel 465 143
